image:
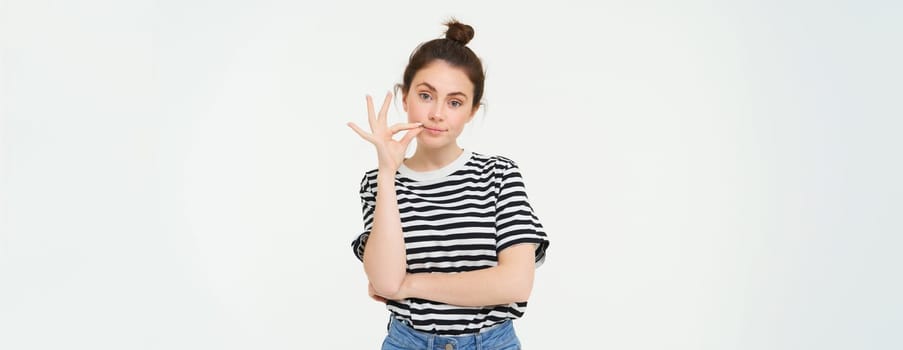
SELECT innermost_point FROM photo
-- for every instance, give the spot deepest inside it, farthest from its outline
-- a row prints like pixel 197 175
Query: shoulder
pixel 371 174
pixel 368 182
pixel 495 167
pixel 492 162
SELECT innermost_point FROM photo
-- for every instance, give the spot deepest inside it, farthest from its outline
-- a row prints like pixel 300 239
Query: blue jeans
pixel 403 337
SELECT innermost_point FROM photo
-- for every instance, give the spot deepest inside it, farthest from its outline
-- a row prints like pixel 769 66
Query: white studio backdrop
pixel 712 175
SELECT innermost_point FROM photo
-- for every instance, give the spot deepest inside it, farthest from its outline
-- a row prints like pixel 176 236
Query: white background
pixel 712 175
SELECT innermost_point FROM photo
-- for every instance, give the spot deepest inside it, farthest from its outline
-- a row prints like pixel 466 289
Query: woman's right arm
pixel 385 259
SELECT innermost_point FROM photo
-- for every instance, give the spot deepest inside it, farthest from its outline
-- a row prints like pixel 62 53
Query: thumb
pixel 410 135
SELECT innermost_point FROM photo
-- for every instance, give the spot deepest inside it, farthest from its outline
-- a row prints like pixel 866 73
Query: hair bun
pixel 458 32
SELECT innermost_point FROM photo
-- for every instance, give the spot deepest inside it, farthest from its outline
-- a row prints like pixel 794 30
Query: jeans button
pixel 449 347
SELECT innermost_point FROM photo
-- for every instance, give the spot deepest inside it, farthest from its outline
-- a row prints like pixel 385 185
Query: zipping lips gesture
pixel 390 151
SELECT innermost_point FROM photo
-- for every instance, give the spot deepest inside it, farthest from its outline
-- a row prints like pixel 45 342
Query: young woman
pixel 450 242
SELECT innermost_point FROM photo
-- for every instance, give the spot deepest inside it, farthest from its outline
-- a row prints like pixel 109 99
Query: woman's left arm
pixel 511 280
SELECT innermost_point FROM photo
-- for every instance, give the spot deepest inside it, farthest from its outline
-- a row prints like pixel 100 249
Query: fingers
pixel 371 116
pixel 385 108
pixel 361 132
pixel 404 126
pixel 410 135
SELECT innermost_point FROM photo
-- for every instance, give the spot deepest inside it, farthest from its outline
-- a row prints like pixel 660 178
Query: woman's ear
pixel 404 102
pixel 473 113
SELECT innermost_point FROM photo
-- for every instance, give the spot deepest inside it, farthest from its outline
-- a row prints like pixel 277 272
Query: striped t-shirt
pixel 456 219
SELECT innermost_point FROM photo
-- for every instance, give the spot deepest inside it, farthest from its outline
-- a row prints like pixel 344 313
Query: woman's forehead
pixel 443 78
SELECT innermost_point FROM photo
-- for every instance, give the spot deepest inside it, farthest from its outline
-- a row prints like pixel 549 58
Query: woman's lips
pixel 432 131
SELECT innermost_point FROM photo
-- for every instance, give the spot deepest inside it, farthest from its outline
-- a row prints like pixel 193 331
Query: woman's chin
pixel 430 142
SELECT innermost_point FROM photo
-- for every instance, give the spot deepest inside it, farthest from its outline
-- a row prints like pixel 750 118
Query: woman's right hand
pixel 390 151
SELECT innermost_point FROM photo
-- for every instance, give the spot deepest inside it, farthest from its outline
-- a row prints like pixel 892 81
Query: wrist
pixel 385 177
pixel 386 171
pixel 388 163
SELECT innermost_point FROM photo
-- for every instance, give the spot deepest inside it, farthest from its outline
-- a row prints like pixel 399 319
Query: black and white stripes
pixel 457 219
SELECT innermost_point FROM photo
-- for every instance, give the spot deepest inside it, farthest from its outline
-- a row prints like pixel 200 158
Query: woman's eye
pixel 424 96
pixel 456 104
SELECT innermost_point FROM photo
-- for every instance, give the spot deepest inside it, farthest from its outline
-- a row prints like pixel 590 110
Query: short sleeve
pixel 368 204
pixel 515 220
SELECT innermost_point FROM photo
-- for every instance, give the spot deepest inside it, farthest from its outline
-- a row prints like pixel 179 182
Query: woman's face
pixel 440 97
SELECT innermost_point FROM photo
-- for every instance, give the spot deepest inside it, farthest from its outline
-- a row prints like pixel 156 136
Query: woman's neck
pixel 432 159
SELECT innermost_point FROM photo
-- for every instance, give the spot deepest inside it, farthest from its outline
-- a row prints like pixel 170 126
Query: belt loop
pixel 430 340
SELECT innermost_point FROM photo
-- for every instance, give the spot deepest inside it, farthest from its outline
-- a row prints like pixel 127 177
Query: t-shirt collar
pixel 442 172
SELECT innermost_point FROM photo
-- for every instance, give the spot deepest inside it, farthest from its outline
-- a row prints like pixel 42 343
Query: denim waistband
pixel 495 336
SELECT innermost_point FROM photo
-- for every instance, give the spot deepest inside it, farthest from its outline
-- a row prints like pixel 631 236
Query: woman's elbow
pixel 385 284
pixel 521 291
pixel 386 289
pixel 517 266
pixel 521 286
pixel 386 281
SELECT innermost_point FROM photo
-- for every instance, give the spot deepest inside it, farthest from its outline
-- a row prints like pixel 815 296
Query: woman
pixel 450 242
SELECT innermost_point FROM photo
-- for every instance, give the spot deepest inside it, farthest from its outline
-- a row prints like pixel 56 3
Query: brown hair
pixel 453 50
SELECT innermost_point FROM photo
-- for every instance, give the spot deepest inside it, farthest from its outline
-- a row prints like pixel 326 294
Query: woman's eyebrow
pixel 428 86
pixel 431 88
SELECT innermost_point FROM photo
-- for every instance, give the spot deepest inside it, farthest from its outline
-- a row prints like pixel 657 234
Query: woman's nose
pixel 436 113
